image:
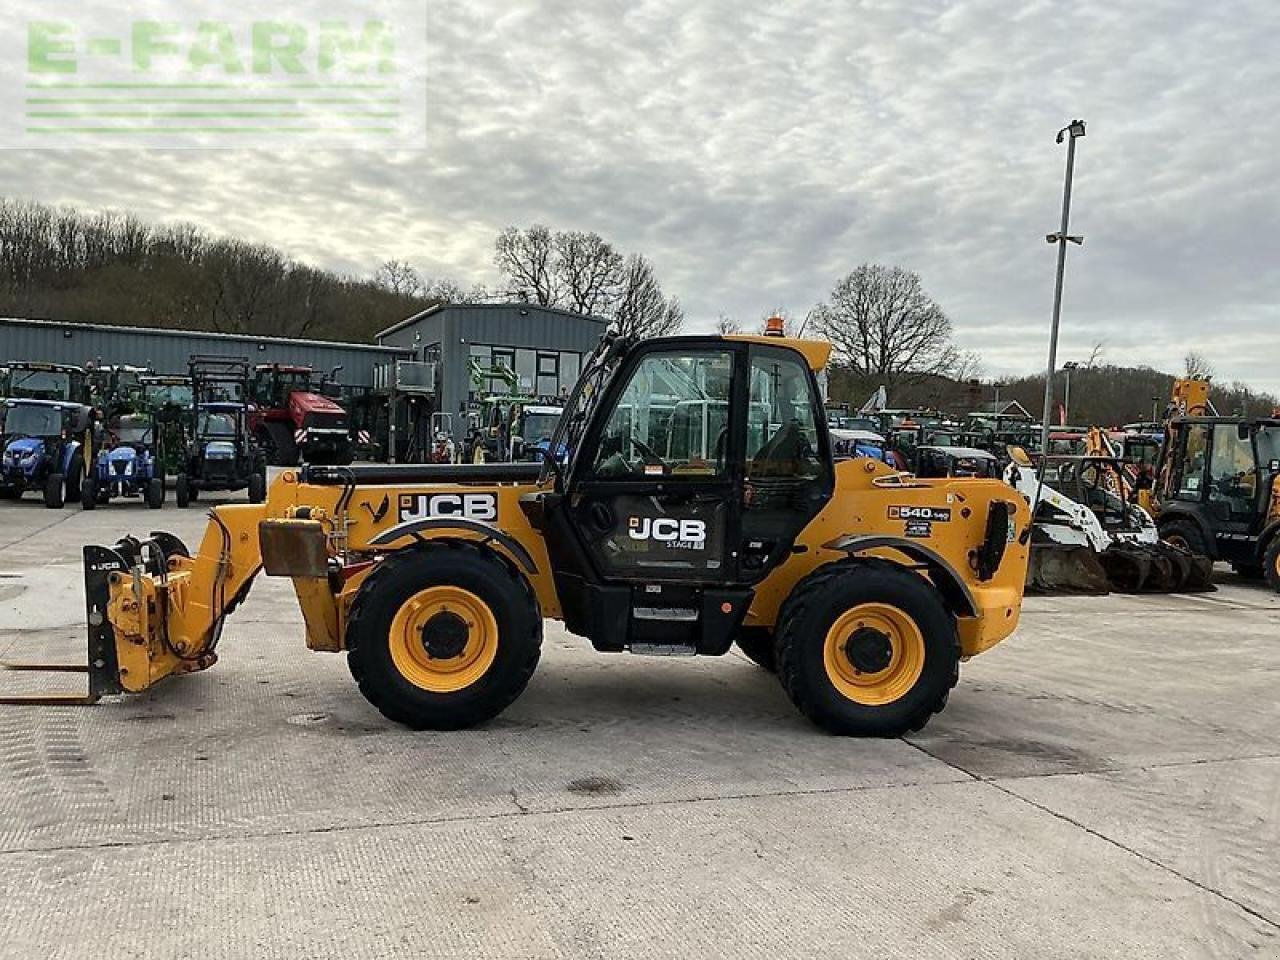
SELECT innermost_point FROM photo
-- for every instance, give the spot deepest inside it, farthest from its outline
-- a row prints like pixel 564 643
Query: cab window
pixel 1232 477
pixel 782 431
pixel 1191 469
pixel 671 419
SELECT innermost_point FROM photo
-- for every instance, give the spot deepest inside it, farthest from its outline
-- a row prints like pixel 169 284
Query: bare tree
pixel 1197 365
pixel 642 309
pixel 590 271
pixel 883 326
pixel 525 258
pixel 726 325
pixel 584 273
pixel 399 278
pixel 1095 355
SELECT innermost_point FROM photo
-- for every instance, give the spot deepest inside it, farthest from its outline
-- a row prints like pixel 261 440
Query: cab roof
pixel 816 352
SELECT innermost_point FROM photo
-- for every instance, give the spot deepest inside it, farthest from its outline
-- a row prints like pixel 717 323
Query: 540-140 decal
pixel 918 521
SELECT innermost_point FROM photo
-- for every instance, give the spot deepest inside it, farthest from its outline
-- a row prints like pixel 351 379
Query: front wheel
pixel 182 491
pixel 88 494
pixel 73 480
pixel 54 491
pixel 1271 563
pixel 867 648
pixel 155 493
pixel 443 637
pixel 257 487
pixel 1185 536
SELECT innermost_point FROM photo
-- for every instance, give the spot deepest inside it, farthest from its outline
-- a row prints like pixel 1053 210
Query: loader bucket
pixel 1059 568
pixel 1198 569
pixel 1130 569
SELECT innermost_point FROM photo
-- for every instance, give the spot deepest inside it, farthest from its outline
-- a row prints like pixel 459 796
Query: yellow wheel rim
pixel 874 653
pixel 443 639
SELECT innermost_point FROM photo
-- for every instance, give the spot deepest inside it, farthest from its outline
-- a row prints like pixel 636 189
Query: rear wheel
pixel 155 493
pixel 867 648
pixel 89 494
pixel 443 637
pixel 756 643
pixel 1271 563
pixel 257 487
pixel 182 491
pixel 54 491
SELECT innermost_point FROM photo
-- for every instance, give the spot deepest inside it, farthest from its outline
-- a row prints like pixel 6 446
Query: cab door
pixel 644 535
pixel 654 486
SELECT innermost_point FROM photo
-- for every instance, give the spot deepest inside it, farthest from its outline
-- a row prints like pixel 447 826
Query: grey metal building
pixel 167 350
pixel 542 346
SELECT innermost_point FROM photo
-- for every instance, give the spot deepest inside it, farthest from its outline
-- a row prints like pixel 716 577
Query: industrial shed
pixel 543 346
pixel 166 351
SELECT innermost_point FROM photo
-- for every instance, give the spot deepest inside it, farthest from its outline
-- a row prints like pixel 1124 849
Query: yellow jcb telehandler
pixel 689 499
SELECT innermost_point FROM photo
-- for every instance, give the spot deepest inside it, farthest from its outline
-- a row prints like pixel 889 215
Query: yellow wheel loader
pixel 699 504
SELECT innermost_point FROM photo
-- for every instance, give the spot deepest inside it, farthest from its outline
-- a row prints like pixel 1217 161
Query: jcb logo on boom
pixel 668 530
pixel 451 506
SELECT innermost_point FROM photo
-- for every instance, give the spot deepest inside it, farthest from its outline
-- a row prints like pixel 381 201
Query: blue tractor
pixel 43 449
pixel 128 464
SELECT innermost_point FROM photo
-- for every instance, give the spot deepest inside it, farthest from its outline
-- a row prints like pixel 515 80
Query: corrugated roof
pixel 504 305
pixel 171 332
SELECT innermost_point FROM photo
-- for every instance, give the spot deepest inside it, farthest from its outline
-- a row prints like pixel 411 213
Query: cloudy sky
pixel 755 151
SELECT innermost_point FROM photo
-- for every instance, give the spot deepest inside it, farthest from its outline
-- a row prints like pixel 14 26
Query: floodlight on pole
pixel 1072 132
pixel 1069 366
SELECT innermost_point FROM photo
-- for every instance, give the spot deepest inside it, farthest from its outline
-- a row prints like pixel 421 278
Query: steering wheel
pixel 645 449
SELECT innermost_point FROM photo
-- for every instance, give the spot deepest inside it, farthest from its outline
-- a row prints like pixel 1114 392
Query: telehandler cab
pixel 698 504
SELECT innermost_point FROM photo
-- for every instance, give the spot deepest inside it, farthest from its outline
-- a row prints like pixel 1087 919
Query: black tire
pixel 75 476
pixel 1271 563
pixel 257 487
pixel 396 581
pixel 1186 535
pixel 88 494
pixel 54 491
pixel 756 643
pixel 155 493
pixel 182 491
pixel 815 605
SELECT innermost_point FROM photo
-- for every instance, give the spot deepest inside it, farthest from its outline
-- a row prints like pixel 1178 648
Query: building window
pixel 570 363
pixel 548 374
pixel 526 369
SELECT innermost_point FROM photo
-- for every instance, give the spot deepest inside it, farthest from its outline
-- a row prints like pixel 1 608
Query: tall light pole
pixel 1071 132
pixel 1066 402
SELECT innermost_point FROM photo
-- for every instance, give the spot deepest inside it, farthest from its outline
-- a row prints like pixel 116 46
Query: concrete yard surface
pixel 1105 784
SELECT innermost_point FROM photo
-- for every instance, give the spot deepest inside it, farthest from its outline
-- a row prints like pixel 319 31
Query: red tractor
pixel 293 420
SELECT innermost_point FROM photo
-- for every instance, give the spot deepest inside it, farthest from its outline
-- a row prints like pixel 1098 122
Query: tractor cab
pixel 43 449
pixel 1217 482
pixel 46 381
pixel 128 462
pixel 694 465
pixel 949 461
pixel 221 453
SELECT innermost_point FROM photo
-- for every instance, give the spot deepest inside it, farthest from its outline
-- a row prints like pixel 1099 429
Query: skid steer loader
pixel 1089 538
pixel 698 505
